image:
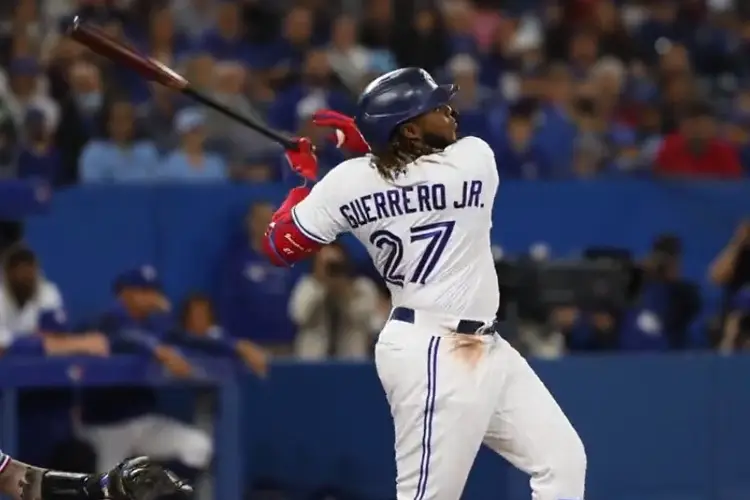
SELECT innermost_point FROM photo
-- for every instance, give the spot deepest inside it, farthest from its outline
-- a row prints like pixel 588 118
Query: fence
pixel 92 233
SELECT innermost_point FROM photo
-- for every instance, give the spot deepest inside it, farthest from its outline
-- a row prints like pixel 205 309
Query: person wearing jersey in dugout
pixel 407 120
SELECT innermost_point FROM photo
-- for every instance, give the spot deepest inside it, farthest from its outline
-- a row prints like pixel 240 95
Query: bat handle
pixel 286 142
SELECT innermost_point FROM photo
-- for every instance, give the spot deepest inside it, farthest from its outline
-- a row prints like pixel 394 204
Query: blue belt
pixel 465 326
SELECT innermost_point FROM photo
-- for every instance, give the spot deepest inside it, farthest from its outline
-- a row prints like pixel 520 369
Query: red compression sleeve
pixel 284 244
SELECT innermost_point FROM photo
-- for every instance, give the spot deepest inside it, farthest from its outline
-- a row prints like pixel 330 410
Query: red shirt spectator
pixel 695 151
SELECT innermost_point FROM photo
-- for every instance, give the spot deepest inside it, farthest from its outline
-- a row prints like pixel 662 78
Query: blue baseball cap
pixel 53 321
pixel 141 277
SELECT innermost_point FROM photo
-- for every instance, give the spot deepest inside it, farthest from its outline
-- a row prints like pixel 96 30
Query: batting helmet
pixel 395 98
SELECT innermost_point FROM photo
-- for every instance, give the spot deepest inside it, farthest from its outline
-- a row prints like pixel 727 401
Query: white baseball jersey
pixel 427 232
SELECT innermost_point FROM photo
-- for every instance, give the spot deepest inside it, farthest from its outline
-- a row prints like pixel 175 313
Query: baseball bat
pixel 152 70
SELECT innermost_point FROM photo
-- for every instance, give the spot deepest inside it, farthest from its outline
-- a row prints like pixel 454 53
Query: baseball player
pixel 132 479
pixel 421 202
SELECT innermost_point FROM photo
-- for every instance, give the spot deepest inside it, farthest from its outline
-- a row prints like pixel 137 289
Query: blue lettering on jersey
pixel 470 193
pixel 407 200
pixel 394 202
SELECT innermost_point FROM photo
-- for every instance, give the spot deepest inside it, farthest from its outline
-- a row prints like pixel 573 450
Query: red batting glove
pixel 347 135
pixel 303 160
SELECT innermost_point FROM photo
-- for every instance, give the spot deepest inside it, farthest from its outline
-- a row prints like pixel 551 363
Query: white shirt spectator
pixel 361 318
pixel 17 321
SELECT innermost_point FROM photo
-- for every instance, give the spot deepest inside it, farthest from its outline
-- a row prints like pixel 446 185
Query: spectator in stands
pixel 738 134
pixel 648 130
pixel 81 114
pixel 474 103
pixel 38 157
pixel 120 157
pixel 313 93
pixel 592 153
pixel 164 43
pixel 253 295
pixel 228 137
pixel 28 90
pixel 199 70
pixel 377 25
pixel 557 131
pixel 731 268
pixel 516 154
pixel 583 52
pixel 348 59
pixel 614 40
pixel 121 422
pixel 695 151
pixel 660 27
pixel 424 43
pixel 287 54
pixel 459 24
pixel 156 118
pixel 192 17
pixel 24 294
pixel 336 313
pixel 191 162
pixel 736 331
pixel 594 330
pixel 200 331
pixel 260 167
pixel 226 42
pixel 665 304
pixel 160 42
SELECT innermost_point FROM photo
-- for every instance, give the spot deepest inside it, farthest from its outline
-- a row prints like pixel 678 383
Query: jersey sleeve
pixel 479 155
pixel 318 216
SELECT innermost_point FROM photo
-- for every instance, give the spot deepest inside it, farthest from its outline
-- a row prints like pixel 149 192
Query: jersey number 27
pixel 437 235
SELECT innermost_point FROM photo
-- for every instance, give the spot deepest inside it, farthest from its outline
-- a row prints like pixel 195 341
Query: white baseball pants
pixel 451 393
pixel 156 436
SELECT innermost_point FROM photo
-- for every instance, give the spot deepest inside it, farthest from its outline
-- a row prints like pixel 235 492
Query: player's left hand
pixel 347 135
pixel 141 479
pixel 303 161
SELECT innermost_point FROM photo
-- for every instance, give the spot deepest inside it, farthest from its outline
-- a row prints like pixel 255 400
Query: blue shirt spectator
pixel 38 158
pixel 556 132
pixel 120 157
pixel 199 331
pixel 191 162
pixel 286 55
pixel 314 92
pixel 474 102
pixel 253 295
pixel 227 42
pixel 517 154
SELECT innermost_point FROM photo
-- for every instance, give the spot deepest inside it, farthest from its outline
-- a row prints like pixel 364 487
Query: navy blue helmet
pixel 395 98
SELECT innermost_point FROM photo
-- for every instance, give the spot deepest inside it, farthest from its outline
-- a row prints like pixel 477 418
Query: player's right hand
pixel 303 161
pixel 173 361
pixel 141 479
pixel 348 136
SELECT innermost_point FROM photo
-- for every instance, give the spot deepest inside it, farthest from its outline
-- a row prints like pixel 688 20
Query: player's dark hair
pixel 400 151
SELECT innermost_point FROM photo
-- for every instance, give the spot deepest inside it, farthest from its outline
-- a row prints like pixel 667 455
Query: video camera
pixel 535 287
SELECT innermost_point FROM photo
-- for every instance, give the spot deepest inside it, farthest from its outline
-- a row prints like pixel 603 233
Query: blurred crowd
pixel 559 89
